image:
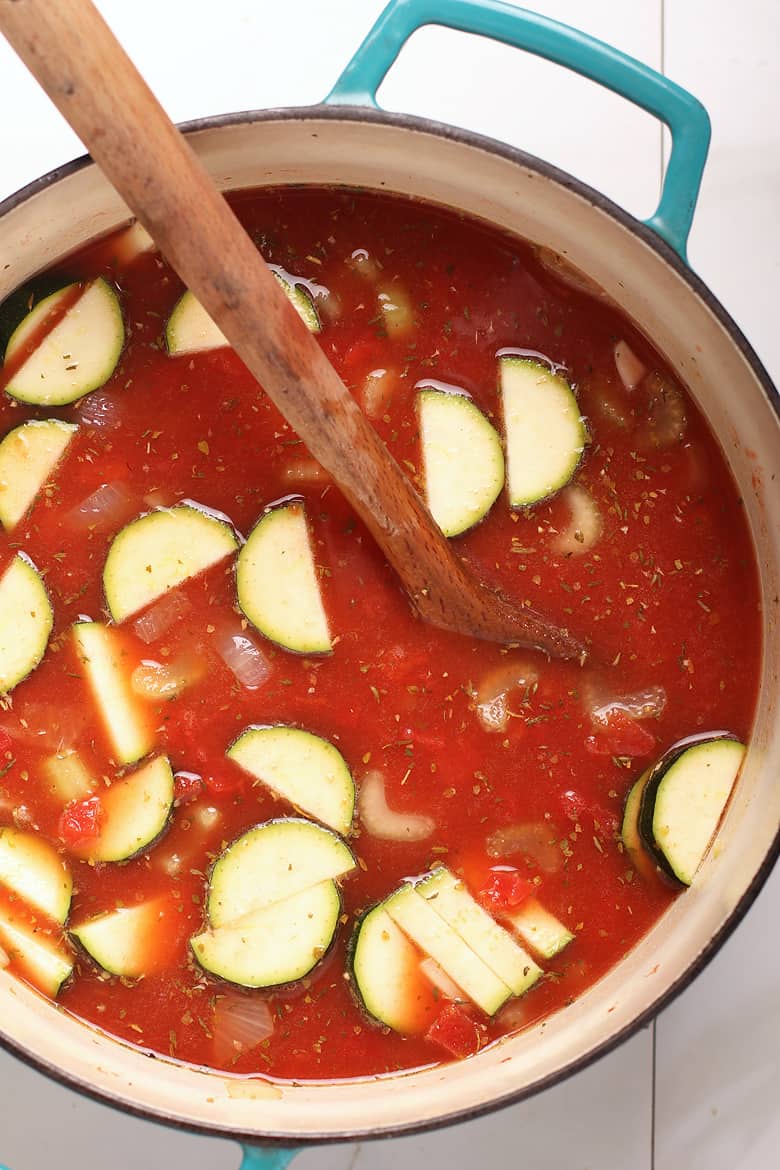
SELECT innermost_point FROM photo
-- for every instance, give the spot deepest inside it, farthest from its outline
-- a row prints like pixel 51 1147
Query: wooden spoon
pixel 77 60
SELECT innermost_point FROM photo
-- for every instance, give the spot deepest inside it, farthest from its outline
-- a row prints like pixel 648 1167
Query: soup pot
pixel 642 267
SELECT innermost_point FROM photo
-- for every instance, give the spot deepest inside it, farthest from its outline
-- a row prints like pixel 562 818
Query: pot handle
pixel 685 116
pixel 264 1158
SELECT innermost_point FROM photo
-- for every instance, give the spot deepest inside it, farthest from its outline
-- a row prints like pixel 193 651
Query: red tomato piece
pixel 187 786
pixel 455 1031
pixel 505 889
pixel 5 740
pixel 620 735
pixel 81 820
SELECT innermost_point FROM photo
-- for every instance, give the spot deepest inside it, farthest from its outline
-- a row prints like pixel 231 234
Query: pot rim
pixel 329 112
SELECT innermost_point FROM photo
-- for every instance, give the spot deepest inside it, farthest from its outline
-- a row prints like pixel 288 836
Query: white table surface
pixel 698 1090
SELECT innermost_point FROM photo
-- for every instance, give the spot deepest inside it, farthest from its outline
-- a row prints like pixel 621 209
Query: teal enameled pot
pixel 641 266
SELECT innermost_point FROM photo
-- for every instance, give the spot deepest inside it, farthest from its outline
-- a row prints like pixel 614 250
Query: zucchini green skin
pixel 158 551
pixel 545 434
pixel 643 861
pixel 26 621
pixel 190 330
pixel 277 584
pixel 463 459
pixel 92 334
pixel 649 799
pixel 29 456
pixel 138 809
pixel 118 940
pixel 23 300
pixel 383 1007
pixel 248 875
pixel 301 767
pixel 251 953
pixel 33 870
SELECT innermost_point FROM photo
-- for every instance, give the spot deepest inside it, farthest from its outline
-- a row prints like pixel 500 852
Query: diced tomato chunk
pixel 187 786
pixel 620 735
pixel 81 820
pixel 455 1031
pixel 505 889
pixel 5 740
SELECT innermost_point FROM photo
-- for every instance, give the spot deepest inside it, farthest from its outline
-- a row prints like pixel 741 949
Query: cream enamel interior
pixel 471 177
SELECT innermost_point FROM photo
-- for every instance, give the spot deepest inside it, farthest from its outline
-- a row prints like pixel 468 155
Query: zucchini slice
pixel 125 941
pixel 684 800
pixel 272 862
pixel 276 944
pixel 33 870
pixel 277 583
pixel 450 899
pixel 462 459
pixel 642 861
pixel 99 651
pixel 539 929
pixel 386 975
pixel 158 551
pixel 136 811
pixel 308 771
pixel 28 456
pixel 40 958
pixel 545 434
pixel 26 620
pixel 79 354
pixel 417 918
pixel 191 330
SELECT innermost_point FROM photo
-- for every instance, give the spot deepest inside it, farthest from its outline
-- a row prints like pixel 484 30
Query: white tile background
pixel 699 1091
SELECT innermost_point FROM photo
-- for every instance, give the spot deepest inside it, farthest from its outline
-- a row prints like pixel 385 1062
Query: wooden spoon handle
pixel 75 57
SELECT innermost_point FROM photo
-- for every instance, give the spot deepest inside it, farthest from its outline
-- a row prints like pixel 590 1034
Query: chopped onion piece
pixel 649 703
pixel 380 820
pixel 329 306
pixel 305 471
pixel 377 391
pixel 159 617
pixel 493 692
pixel 628 365
pixel 207 816
pixel 585 526
pixel 667 420
pixel 100 410
pixel 165 680
pixel 396 309
pixel 170 863
pixel 363 264
pixel 243 658
pixel 535 839
pixel 439 979
pixel 110 506
pixel 240 1023
pixel 514 1015
pixel 133 242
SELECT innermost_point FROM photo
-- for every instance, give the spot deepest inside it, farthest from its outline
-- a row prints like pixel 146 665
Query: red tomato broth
pixel 668 595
